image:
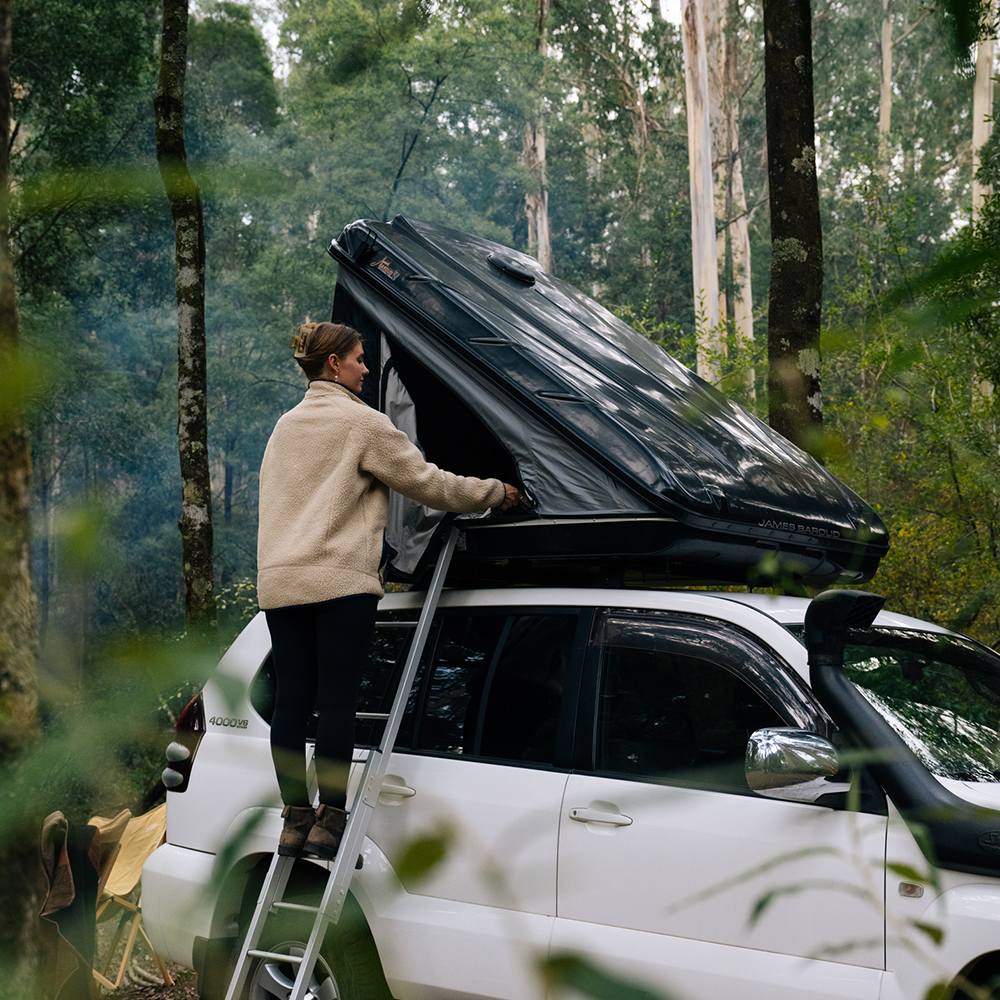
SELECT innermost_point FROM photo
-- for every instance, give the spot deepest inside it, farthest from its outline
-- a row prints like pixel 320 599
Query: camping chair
pixel 140 836
pixel 71 861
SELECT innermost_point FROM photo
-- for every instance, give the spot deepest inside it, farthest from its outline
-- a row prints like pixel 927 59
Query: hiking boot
pixel 327 832
pixel 298 822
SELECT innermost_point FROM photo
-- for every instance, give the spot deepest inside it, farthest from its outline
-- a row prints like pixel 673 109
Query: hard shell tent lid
pixel 629 455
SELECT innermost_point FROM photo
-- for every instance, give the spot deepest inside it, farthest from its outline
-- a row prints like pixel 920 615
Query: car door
pixel 665 855
pixel 476 770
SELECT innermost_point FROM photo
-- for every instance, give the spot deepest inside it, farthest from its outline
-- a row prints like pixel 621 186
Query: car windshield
pixel 940 693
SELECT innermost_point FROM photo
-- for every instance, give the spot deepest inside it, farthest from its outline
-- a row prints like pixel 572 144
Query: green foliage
pixel 424 853
pixel 422 109
pixel 563 971
pixel 410 113
pixel 229 72
pixel 237 606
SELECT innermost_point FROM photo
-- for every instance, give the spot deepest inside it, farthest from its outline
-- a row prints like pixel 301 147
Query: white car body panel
pixel 228 768
pixel 446 950
pixel 505 822
pixel 969 915
pixel 717 854
pixel 176 911
pixel 686 969
pixel 523 880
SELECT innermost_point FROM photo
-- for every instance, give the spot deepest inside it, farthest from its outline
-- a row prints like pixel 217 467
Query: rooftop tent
pixel 498 369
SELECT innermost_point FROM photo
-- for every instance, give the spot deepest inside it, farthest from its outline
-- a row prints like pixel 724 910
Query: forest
pixel 410 109
pixel 567 138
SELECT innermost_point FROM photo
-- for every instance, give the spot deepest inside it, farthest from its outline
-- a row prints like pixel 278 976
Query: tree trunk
pixel 705 266
pixel 795 402
pixel 536 201
pixel 885 91
pixel 982 111
pixel 720 108
pixel 743 294
pixel 732 218
pixel 192 390
pixel 20 885
pixel 591 135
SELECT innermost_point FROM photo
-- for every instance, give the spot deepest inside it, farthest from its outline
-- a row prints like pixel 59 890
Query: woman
pixel 324 497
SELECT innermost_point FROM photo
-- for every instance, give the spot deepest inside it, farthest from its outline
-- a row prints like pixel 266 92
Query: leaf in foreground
pixel 564 970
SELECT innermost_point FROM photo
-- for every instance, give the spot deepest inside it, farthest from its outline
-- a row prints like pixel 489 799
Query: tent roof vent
pixel 514 268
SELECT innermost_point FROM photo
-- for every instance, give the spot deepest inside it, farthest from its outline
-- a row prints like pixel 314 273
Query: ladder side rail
pixel 427 612
pixel 272 889
pixel 366 798
pixel 341 873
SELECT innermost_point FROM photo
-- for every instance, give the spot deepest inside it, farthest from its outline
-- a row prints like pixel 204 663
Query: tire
pixel 347 968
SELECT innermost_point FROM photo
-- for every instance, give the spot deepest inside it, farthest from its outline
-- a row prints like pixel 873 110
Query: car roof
pixel 783 609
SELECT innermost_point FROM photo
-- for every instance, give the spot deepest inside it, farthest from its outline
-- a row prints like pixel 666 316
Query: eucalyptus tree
pixel 703 224
pixel 84 247
pixel 982 102
pixel 18 633
pixel 619 194
pixel 412 108
pixel 893 182
pixel 733 49
pixel 192 385
pixel 536 200
pixel 795 405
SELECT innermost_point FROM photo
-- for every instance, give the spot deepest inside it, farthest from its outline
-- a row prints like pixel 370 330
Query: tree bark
pixel 192 388
pixel 795 402
pixel 705 265
pixel 982 111
pixel 536 201
pixel 885 91
pixel 19 728
pixel 733 240
pixel 720 108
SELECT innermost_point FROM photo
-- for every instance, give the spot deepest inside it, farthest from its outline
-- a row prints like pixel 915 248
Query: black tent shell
pixel 633 461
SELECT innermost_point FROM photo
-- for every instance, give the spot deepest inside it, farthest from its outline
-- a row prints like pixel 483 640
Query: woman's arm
pixel 391 457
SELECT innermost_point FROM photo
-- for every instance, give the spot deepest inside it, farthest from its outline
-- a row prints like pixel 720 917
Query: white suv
pixel 585 759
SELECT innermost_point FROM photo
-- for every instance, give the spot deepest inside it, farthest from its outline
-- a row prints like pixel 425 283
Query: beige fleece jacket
pixel 324 497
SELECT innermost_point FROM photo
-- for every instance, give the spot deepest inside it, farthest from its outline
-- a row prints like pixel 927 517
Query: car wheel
pixel 347 968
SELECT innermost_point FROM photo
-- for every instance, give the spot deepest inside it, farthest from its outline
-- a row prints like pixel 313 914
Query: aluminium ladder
pixel 342 867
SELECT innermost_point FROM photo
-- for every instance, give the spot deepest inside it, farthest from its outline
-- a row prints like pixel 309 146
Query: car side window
pixel 673 708
pixel 490 685
pixel 390 644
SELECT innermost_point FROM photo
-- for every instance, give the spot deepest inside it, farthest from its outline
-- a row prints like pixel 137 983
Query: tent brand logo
pixel 802 529
pixel 386 268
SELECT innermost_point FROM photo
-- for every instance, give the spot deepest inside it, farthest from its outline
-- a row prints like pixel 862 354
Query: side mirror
pixel 792 764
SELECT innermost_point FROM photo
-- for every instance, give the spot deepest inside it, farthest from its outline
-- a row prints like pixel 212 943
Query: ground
pixel 143 980
pixel 184 988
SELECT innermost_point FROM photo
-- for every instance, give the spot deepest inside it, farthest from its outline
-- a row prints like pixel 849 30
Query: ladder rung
pixel 371 715
pixel 276 955
pixel 301 907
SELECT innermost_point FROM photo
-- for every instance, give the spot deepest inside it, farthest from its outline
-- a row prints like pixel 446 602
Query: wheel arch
pixel 969 918
pixel 237 899
pixel 981 971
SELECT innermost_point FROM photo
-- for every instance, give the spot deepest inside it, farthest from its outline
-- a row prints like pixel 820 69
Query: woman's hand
pixel 512 498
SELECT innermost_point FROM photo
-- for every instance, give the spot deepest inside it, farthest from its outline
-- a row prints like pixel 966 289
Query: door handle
pixel 600 816
pixel 397 789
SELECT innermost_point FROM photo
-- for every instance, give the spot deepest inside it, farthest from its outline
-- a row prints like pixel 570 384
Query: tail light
pixel 180 753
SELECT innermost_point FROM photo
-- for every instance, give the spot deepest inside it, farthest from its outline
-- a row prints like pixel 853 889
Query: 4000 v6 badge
pixel 218 720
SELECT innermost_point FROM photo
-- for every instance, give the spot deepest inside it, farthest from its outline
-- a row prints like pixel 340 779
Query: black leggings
pixel 320 652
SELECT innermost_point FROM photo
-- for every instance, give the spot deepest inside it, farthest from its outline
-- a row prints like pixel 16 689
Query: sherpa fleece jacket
pixel 324 497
